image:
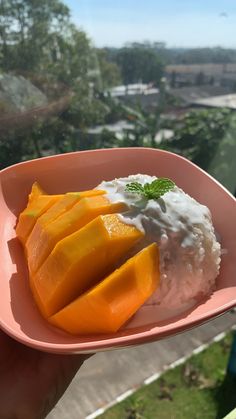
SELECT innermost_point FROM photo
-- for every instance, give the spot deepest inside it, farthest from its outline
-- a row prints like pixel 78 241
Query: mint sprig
pixel 153 190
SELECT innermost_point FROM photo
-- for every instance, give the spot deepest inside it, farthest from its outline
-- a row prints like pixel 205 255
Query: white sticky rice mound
pixel 189 251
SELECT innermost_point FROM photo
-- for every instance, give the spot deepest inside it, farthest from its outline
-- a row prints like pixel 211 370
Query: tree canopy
pixel 199 134
pixel 39 41
pixel 139 64
pixel 30 31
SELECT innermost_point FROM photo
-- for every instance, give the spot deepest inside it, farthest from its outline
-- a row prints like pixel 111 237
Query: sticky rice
pixel 189 251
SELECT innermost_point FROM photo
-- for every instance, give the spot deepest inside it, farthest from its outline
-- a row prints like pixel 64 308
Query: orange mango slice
pixel 38 203
pixel 48 207
pixel 36 191
pixel 59 207
pixel 45 237
pixel 80 260
pixel 65 202
pixel 108 305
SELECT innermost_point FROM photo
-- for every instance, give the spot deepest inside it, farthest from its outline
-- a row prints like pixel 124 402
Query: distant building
pixel 208 69
pixel 132 89
pixel 229 80
pixel 179 75
pixel 225 101
pixel 144 95
pixel 117 128
pixel 191 93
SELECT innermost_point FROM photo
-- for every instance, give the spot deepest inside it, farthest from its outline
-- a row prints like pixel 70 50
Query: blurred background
pixel 86 74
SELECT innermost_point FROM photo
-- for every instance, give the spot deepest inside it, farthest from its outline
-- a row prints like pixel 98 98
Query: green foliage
pixel 40 42
pixel 198 389
pixel 10 150
pixel 39 39
pixel 86 109
pixel 222 166
pixel 139 64
pixel 110 74
pixel 197 137
pixel 69 62
pixel 153 190
pixel 216 55
pixel 29 29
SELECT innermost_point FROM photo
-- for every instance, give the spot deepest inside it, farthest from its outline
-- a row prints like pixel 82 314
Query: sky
pixel 179 23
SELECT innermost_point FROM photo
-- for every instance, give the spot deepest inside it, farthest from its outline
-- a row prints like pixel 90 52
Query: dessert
pixel 96 257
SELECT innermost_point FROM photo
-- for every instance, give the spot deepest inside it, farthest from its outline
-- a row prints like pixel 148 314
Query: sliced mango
pixel 80 260
pixel 36 191
pixel 65 203
pixel 108 305
pixel 60 206
pixel 30 215
pixel 70 221
pixel 38 203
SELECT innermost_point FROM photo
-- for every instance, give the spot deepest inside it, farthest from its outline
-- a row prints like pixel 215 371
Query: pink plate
pixel 19 316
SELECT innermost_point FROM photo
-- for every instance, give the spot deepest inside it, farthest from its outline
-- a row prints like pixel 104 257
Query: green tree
pixel 222 166
pixel 40 42
pixel 109 72
pixel 140 64
pixel 217 55
pixel 199 135
pixel 28 30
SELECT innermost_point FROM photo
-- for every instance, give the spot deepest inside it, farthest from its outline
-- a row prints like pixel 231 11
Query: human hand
pixel 31 382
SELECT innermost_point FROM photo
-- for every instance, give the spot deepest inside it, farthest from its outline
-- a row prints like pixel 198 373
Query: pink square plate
pixel 19 316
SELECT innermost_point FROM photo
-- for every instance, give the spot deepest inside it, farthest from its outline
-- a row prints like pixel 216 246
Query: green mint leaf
pixel 153 190
pixel 135 187
pixel 148 190
pixel 160 186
